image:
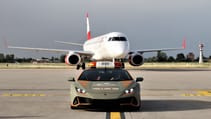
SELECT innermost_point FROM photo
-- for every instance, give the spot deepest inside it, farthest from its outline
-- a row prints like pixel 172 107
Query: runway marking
pixel 22 95
pixel 115 115
pixel 199 93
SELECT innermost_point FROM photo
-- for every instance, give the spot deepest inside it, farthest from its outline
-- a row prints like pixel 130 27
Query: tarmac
pixel 165 93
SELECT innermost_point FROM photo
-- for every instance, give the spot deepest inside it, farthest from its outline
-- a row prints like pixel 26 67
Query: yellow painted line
pixel 115 115
pixel 187 94
pixel 42 95
pixel 205 92
pixel 206 95
pixel 5 95
pixel 22 95
pixel 199 93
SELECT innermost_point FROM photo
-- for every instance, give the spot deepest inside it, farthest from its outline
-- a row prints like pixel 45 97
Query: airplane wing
pixel 155 50
pixel 70 43
pixel 163 49
pixel 85 53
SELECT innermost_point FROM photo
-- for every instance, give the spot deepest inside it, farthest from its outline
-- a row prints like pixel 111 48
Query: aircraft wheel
pixel 73 108
pixel 83 66
pixel 123 65
pixel 78 67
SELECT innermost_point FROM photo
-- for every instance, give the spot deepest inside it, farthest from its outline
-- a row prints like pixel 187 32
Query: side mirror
pixel 139 79
pixel 71 79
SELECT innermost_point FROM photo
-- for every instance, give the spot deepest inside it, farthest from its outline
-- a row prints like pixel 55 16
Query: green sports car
pixel 103 87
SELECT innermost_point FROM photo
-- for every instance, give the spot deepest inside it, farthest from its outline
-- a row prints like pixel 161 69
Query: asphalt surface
pixel 44 94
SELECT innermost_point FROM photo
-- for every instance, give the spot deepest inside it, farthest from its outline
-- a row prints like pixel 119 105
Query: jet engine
pixel 136 59
pixel 72 59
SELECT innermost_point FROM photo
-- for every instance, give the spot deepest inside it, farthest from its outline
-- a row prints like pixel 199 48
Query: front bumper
pixel 82 102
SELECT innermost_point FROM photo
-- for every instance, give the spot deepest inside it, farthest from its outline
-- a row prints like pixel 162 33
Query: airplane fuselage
pixel 108 46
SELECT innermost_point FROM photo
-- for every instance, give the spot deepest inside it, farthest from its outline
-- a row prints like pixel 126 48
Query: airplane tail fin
pixel 88 27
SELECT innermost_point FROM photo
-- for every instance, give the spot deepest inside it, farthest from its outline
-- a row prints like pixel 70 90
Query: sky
pixel 147 23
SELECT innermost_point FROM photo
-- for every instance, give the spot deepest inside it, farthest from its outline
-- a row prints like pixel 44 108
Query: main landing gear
pixel 119 61
pixel 122 62
pixel 82 65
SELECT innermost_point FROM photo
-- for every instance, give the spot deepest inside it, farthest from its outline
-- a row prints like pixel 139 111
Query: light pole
pixel 201 53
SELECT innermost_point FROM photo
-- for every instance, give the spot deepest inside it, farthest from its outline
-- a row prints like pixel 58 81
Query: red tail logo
pixel 88 27
pixel 184 43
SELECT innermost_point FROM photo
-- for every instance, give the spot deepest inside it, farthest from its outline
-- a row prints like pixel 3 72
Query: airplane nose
pixel 118 49
pixel 119 52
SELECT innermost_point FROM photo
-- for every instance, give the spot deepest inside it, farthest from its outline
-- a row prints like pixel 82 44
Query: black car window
pixel 105 75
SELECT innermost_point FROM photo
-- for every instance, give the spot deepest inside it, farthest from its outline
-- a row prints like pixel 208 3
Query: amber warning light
pixel 105 64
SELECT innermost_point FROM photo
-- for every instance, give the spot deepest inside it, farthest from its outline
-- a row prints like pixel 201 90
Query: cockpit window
pixel 117 39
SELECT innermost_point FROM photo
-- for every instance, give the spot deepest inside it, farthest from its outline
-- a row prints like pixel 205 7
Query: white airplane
pixel 112 46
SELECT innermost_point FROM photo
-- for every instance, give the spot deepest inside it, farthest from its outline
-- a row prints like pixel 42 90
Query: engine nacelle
pixel 136 59
pixel 72 59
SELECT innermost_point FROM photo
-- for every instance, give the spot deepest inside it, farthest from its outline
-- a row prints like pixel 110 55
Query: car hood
pixel 105 86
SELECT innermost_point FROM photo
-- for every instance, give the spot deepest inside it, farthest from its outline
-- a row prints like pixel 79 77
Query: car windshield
pixel 105 75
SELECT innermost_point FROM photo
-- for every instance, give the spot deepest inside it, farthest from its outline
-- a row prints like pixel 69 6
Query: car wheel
pixel 136 108
pixel 72 107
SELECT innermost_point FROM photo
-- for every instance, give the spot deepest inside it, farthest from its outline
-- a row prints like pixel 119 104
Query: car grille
pixel 123 101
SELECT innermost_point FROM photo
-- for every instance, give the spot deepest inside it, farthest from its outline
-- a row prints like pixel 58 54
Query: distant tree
pixel 10 58
pixel 22 60
pixel 54 59
pixel 1 57
pixel 196 59
pixel 209 60
pixel 62 58
pixel 44 58
pixel 162 57
pixel 151 59
pixel 171 59
pixel 29 59
pixel 180 57
pixel 190 57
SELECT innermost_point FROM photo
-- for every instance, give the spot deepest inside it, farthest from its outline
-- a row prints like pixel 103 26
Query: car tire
pixel 136 108
pixel 73 108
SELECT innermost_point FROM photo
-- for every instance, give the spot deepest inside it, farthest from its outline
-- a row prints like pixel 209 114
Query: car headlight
pixel 80 90
pixel 129 91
